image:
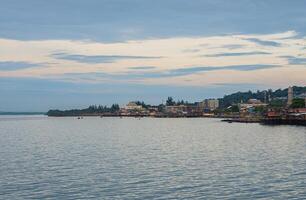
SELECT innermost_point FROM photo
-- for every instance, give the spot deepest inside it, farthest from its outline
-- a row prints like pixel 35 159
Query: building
pixel 297 110
pixel 250 106
pixel 184 110
pixel 133 106
pixel 209 104
pixel 290 96
pixel 180 109
pixel 213 104
pixel 254 101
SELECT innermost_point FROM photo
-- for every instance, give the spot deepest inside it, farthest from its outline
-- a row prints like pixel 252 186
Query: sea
pixel 149 158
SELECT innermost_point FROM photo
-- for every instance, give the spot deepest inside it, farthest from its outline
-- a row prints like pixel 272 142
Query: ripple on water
pixel 110 158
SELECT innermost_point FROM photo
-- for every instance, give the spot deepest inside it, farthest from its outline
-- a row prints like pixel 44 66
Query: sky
pixel 64 54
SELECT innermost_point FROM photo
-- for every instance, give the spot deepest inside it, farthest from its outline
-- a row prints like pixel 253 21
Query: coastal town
pixel 268 108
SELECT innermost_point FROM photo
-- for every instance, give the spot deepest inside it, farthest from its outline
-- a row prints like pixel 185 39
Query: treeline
pixel 169 102
pixel 91 110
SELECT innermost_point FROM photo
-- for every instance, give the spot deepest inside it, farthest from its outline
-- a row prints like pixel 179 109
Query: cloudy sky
pixel 73 53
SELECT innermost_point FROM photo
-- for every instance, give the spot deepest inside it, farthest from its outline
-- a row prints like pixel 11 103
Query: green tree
pixel 277 103
pixel 114 108
pixel 170 102
pixel 259 109
pixel 161 108
pixel 234 108
pixel 182 102
pixel 143 104
pixel 298 103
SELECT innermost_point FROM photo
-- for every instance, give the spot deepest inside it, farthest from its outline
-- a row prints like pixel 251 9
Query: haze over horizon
pixel 72 53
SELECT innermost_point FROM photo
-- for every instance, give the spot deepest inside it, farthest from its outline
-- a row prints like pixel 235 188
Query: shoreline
pixel 263 121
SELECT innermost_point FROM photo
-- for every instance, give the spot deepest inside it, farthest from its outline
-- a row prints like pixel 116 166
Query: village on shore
pixel 268 108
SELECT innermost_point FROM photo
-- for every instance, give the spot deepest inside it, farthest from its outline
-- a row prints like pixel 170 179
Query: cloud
pixel 104 20
pixel 250 67
pixel 163 74
pixel 238 54
pixel 233 46
pixel 191 50
pixel 142 68
pixel 175 67
pixel 12 65
pixel 95 59
pixel 264 42
pixel 193 70
pixel 228 84
pixel 295 60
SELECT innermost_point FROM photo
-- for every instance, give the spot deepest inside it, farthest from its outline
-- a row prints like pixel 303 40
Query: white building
pixel 133 106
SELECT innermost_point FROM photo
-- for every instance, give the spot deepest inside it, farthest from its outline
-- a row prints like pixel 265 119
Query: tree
pixel 259 109
pixel 170 101
pixel 234 108
pixel 161 108
pixel 143 104
pixel 114 108
pixel 277 103
pixel 298 103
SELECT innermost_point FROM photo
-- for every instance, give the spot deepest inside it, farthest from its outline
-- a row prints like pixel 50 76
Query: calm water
pixel 112 158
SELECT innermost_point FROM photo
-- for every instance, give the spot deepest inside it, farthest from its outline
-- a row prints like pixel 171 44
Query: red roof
pixel 273 114
pixel 298 110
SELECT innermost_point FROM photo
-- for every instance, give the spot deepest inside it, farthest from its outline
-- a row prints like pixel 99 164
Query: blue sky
pixel 72 53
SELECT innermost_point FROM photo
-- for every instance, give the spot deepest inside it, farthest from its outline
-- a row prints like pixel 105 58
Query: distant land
pixel 275 95
pixel 22 113
pixel 228 104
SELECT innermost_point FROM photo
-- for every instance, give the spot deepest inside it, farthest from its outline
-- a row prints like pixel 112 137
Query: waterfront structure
pixel 290 96
pixel 295 116
pixel 189 110
pixel 180 109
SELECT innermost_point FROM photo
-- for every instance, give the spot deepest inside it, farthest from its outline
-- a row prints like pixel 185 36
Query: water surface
pixel 113 158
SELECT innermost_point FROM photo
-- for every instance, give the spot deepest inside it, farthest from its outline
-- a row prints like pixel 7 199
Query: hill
pixel 237 97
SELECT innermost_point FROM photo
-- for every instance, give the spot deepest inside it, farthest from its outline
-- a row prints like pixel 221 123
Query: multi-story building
pixel 209 104
pixel 290 95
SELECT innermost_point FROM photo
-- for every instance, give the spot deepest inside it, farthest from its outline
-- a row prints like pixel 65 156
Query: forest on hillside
pixel 237 97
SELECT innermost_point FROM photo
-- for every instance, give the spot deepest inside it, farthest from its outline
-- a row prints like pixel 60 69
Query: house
pixel 133 106
pixel 251 105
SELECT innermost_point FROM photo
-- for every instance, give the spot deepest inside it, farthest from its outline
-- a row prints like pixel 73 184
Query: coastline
pixel 263 121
